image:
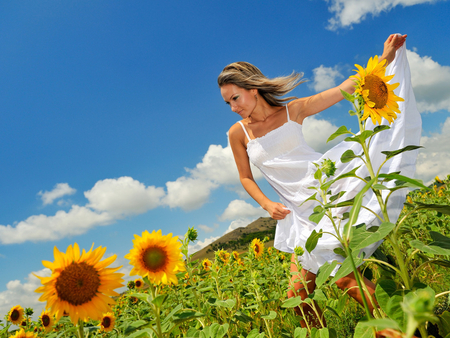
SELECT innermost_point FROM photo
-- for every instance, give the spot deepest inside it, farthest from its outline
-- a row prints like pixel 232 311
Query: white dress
pixel 286 161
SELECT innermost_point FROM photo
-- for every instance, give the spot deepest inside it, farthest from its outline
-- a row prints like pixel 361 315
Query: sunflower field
pixel 234 295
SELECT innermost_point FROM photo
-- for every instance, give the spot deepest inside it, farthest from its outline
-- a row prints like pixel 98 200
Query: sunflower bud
pixel 328 167
pixel 192 234
pixel 299 251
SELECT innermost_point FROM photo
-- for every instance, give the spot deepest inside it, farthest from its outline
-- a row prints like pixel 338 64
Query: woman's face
pixel 241 101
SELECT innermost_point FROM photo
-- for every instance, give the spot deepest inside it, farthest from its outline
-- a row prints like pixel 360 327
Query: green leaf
pixel 431 249
pixel 384 290
pixel 318 295
pixel 312 240
pixel 347 266
pixel 354 212
pixel 363 331
pixel 413 182
pixel 366 238
pixel 242 317
pixel 337 196
pixel 444 323
pixel 133 326
pixel 292 302
pixel 229 303
pixel 439 238
pixel 300 332
pixel 442 208
pixel 377 129
pixel 390 154
pixel 184 316
pixel 324 272
pixel 318 174
pixel 141 333
pixel 351 173
pixel 310 198
pixel 341 131
pixel 360 138
pixel 270 316
pixel 346 203
pixel 380 324
pixel 159 300
pixel 380 187
pixel 316 216
pixel 394 310
pixel 348 155
pixel 340 251
pixel 255 334
pixel 347 96
pixel 324 333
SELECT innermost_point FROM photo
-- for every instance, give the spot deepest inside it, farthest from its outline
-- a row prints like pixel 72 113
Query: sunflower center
pixel 138 284
pixel 256 248
pixel 106 322
pixel 15 314
pixel 45 320
pixel 154 258
pixel 378 91
pixel 78 283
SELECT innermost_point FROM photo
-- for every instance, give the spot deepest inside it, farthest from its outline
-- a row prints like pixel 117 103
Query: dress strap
pixel 245 131
pixel 287 112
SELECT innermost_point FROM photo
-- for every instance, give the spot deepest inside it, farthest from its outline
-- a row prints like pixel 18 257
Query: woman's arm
pixel 311 105
pixel 236 135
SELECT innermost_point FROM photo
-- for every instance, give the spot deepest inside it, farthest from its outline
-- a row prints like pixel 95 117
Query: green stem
pixel 80 329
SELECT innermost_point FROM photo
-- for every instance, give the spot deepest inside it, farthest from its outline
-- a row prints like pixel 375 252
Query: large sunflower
pixel 15 315
pixel 378 95
pixel 47 321
pixel 107 322
pixel 157 257
pixel 257 247
pixel 80 284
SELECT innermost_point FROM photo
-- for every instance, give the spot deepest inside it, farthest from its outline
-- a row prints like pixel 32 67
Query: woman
pixel 270 136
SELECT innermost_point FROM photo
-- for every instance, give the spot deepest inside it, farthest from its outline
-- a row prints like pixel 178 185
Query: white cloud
pixel 123 196
pixel 203 227
pixel 241 209
pixel 45 228
pixel 239 223
pixel 18 293
pixel 434 159
pixel 325 78
pixel 60 190
pixel 348 12
pixel 188 193
pixel 431 83
pixel 113 199
pixel 317 132
pixel 192 248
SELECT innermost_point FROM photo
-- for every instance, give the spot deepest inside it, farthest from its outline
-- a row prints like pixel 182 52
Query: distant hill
pixel 239 238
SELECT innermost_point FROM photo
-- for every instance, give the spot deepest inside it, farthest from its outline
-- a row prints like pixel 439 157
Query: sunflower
pixel 235 255
pixel 15 315
pixel 107 322
pixel 206 264
pixel 378 95
pixel 20 334
pixel 257 247
pixel 47 320
pixel 80 285
pixel 223 256
pixel 138 283
pixel 157 257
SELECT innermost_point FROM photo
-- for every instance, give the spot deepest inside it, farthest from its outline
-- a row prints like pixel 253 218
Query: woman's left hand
pixel 393 42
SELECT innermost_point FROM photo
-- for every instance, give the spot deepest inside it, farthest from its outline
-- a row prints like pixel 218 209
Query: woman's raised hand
pixel 277 210
pixel 393 42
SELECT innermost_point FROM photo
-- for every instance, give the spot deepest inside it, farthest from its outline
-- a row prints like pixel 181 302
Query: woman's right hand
pixel 277 210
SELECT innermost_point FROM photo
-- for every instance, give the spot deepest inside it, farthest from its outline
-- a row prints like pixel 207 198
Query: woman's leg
pixel 349 283
pixel 298 289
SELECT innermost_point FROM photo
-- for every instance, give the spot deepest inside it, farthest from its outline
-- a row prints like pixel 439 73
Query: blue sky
pixel 112 122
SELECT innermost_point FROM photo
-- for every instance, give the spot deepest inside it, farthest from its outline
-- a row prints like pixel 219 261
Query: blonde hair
pixel 247 76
